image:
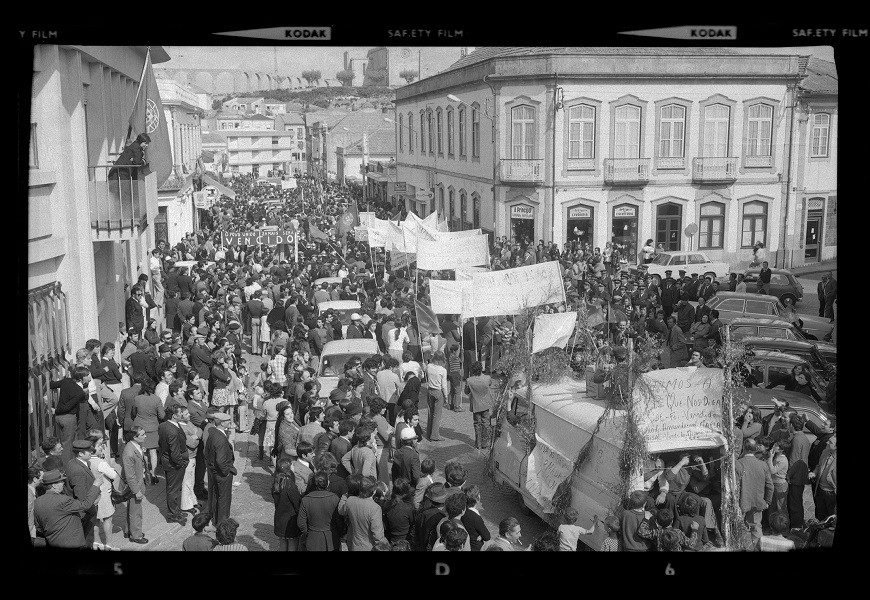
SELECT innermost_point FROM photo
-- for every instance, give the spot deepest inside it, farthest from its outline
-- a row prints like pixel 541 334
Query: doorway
pixel 669 223
pixel 624 231
pixel 580 227
pixel 813 237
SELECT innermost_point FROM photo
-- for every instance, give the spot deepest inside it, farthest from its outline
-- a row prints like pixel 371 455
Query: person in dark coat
pixel 133 310
pixel 287 499
pixel 830 296
pixel 133 154
pixel 820 290
pixel 73 394
pixel 399 512
pixel 143 363
pixel 79 480
pixel 219 463
pixel 172 442
pixel 58 516
pixel 318 520
pixel 200 358
pixel 406 460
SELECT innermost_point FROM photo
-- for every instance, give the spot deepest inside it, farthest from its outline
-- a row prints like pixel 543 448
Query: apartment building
pixel 606 144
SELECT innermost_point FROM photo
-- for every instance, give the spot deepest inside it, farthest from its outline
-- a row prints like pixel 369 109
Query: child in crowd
pixel 569 533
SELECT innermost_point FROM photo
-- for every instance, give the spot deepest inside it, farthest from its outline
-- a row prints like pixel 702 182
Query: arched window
pixel 716 126
pixel 672 131
pixel 581 131
pixel 754 224
pixel 462 131
pixel 522 133
pixel 760 125
pixel 438 115
pixel 821 132
pixel 430 131
pixel 463 210
pixel 475 211
pixel 450 198
pixel 475 130
pixel 712 226
pixel 627 132
pixel 449 131
pixel 422 132
pixel 440 202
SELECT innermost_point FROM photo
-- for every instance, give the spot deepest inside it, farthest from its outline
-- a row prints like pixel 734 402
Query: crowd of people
pixel 168 397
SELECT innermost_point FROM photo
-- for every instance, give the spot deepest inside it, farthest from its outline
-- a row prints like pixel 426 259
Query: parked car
pixel 804 350
pixel 733 305
pixel 690 262
pixel 327 280
pixel 780 329
pixel 805 406
pixel 334 356
pixel 768 366
pixel 783 284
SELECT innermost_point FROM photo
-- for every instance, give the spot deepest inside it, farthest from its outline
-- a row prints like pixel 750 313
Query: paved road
pixel 252 503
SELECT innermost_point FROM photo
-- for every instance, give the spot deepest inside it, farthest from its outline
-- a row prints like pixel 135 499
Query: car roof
pixel 365 347
pixel 327 280
pixel 779 271
pixel 680 252
pixel 759 321
pixel 777 356
pixel 746 296
pixel 339 305
pixel 778 342
pixel 764 397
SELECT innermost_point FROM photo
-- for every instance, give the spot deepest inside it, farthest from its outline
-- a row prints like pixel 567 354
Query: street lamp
pixel 491 118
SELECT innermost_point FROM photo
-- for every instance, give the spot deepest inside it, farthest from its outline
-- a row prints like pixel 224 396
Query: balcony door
pixel 716 131
pixel 627 132
pixel 523 133
pixel 669 222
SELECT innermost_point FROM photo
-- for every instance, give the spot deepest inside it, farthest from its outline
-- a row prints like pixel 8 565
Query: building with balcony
pixel 258 152
pixel 327 131
pixel 605 144
pixel 812 226
pixel 90 225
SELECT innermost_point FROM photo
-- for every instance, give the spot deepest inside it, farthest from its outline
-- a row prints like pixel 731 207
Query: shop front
pixel 625 230
pixel 813 235
pixel 580 226
pixel 523 223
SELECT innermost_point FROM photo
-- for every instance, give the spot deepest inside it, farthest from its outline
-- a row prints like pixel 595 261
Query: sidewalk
pixel 816 268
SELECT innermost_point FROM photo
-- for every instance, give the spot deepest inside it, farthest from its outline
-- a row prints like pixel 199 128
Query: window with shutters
pixel 821 132
pixel 440 132
pixel 462 126
pixel 712 226
pixel 754 224
pixel 523 133
pixel 450 131
pixel 475 130
pixel 410 133
pixel 758 133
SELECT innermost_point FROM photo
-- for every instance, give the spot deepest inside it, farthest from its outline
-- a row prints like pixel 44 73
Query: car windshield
pixel 333 365
pixel 662 259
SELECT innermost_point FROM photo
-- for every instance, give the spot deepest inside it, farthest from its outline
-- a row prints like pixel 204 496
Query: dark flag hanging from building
pixel 148 118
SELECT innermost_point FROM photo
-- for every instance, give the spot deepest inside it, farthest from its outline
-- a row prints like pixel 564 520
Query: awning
pixel 375 176
pixel 208 180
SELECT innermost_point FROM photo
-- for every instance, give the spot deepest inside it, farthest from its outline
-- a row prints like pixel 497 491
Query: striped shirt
pixel 277 365
pixel 455 364
pixel 229 548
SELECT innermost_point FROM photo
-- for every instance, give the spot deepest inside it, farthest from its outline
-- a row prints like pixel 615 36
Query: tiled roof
pixel 290 119
pixel 821 77
pixel 256 117
pixel 213 137
pixel 380 141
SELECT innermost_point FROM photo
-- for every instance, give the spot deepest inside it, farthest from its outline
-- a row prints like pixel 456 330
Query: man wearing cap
pixel 79 480
pixel 219 463
pixel 57 515
pixel 668 277
pixel 406 460
pixel 354 330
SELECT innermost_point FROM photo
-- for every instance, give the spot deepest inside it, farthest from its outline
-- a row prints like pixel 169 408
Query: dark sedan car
pixel 777 328
pixel 804 350
pixel 734 305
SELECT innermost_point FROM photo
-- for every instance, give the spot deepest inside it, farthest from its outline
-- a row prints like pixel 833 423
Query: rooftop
pixel 213 137
pixel 244 100
pixel 380 142
pixel 821 77
pixel 289 119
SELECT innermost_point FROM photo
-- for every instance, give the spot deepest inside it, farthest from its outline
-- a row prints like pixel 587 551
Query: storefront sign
pixel 400 187
pixel 424 196
pixel 623 212
pixel 521 211
pixel 253 238
pixel 676 406
pixel 200 200
pixel 579 212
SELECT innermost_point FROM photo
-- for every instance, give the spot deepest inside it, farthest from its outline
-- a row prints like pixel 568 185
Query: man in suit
pixel 79 481
pixel 756 488
pixel 820 290
pixel 73 393
pixel 133 463
pixel 670 296
pixel 825 476
pixel 702 309
pixel 830 295
pixel 172 442
pixel 57 516
pixel 126 401
pixel 234 336
pixel 219 463
pixel 341 445
pixel 704 290
pixel 798 469
pixel 142 362
pixel 196 407
pixel 676 342
pixel 200 358
pixel 694 285
pixel 134 311
pixel 406 460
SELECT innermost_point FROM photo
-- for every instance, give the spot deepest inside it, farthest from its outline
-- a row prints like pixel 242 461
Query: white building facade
pixel 621 145
pixel 258 152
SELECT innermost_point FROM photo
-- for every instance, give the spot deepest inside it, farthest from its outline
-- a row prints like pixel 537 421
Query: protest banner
pixel 467 273
pixel 375 238
pixel 553 331
pixel 546 470
pixel 510 291
pixel 288 184
pixel 366 219
pixel 450 235
pixel 450 297
pixel 255 238
pixel 451 253
pixel 679 407
pixel 400 260
pixel 361 233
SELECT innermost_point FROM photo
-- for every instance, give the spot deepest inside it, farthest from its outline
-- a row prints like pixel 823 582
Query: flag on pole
pixel 596 316
pixel 148 118
pixel 427 321
pixel 346 223
pixel 315 232
pixel 553 331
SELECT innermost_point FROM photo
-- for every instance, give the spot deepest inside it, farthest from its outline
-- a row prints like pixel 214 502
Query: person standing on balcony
pixel 134 155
